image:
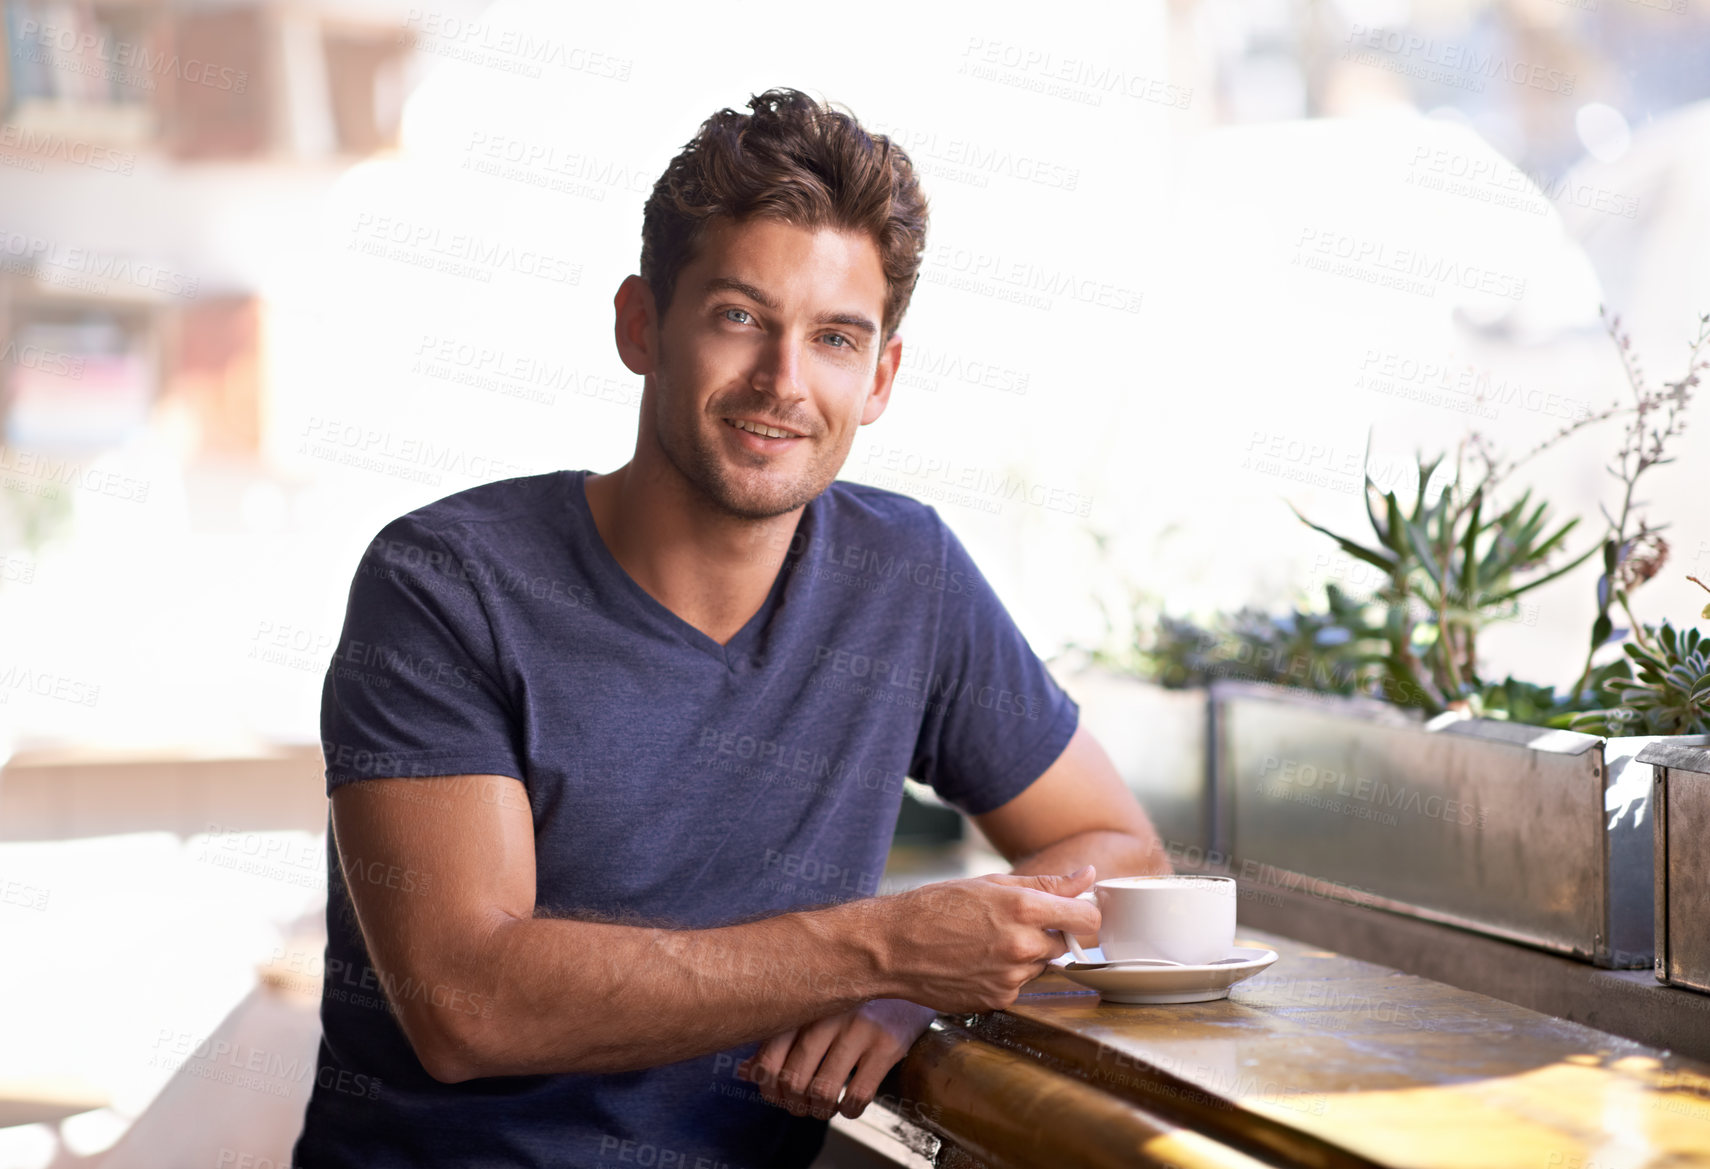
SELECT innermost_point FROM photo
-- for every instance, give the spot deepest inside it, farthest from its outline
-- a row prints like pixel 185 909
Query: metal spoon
pixel 1079 965
pixel 1082 962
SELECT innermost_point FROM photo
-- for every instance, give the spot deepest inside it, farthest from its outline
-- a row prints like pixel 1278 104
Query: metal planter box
pixel 1157 738
pixel 1520 832
pixel 1681 803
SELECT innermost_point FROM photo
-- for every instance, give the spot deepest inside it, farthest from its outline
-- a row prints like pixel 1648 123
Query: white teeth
pixel 763 431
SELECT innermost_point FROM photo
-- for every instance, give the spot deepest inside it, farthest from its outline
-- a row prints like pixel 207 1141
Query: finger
pixel 846 1050
pixel 765 1063
pixel 1061 884
pixel 898 1024
pixel 803 1061
pixel 864 1084
pixel 1055 912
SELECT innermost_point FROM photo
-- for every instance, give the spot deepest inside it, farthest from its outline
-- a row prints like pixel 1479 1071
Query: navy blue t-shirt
pixel 672 781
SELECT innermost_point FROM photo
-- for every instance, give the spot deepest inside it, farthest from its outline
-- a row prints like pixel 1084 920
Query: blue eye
pixel 841 338
pixel 743 311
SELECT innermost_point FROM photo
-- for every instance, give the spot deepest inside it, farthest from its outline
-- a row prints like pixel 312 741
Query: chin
pixel 756 490
pixel 760 500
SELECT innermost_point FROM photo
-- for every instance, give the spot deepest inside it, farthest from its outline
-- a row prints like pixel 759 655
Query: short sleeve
pixel 413 688
pixel 996 719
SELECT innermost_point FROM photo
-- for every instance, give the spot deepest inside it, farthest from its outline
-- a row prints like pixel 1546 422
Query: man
pixel 614 760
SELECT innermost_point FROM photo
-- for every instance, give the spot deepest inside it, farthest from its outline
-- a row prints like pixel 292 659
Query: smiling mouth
pixel 760 428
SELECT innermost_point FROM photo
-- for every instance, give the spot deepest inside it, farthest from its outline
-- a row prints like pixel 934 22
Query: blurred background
pixel 272 274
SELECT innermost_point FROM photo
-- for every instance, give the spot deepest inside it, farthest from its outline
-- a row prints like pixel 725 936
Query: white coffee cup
pixel 1184 918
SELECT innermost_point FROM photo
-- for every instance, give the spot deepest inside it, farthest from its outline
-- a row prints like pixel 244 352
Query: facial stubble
pixel 699 459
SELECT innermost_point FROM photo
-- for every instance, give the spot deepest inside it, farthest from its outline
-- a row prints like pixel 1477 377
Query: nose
pixel 779 369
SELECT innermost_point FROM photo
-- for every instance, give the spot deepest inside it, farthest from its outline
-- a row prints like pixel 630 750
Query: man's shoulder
pixel 520 498
pixel 880 515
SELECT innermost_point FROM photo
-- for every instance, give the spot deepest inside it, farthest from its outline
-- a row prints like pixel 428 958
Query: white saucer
pixel 1167 984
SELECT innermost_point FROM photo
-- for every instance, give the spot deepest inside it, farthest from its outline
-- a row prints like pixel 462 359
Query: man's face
pixel 768 360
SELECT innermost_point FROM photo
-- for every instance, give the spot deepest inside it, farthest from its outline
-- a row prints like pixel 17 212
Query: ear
pixel 890 357
pixel 637 325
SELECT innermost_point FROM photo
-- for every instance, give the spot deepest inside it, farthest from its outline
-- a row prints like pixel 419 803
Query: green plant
pixel 1297 648
pixel 1452 564
pixel 1450 570
pixel 1630 558
pixel 1665 690
pixel 30 513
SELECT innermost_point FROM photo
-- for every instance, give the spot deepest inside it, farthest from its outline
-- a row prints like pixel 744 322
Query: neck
pixel 712 569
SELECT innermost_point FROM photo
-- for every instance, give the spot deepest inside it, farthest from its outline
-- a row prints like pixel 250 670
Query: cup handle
pixel 1069 935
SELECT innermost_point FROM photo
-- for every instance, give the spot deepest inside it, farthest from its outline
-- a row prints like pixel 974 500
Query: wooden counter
pixel 1321 1060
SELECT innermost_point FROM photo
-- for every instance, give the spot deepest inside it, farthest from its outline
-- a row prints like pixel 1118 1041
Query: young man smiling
pixel 638 839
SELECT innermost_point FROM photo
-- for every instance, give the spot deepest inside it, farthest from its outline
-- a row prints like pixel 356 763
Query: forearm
pixel 574 996
pixel 1112 853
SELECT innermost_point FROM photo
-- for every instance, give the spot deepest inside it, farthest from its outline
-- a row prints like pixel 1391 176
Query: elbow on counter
pixel 457 1038
pixel 449 1052
pixel 453 1048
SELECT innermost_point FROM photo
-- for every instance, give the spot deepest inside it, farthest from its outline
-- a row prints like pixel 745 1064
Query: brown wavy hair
pixel 794 159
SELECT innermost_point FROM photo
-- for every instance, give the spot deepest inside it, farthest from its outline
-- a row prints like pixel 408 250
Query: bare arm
pixel 579 996
pixel 1079 810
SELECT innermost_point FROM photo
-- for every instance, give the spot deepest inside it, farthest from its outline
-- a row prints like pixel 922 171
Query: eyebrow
pixel 731 284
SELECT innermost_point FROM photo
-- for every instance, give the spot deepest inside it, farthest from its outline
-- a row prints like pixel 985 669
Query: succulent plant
pixel 1452 568
pixel 1668 692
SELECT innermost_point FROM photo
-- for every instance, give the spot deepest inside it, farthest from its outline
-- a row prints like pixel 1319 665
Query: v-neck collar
pixel 735 655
